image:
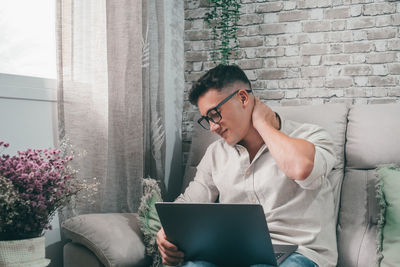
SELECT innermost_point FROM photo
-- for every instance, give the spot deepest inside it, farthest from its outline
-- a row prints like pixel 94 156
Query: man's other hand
pixel 170 253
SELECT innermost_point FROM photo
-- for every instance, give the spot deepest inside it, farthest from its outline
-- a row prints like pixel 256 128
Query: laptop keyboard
pixel 278 255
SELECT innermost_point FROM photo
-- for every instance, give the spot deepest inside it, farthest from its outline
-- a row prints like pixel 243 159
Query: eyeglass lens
pixel 212 116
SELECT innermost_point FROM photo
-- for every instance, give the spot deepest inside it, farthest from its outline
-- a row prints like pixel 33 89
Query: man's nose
pixel 213 126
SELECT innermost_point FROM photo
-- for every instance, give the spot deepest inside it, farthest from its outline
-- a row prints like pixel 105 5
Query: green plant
pixel 222 18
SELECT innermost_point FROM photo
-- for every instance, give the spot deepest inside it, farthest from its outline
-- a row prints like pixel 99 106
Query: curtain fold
pixel 153 87
pixel 111 73
pixel 83 87
pixel 125 157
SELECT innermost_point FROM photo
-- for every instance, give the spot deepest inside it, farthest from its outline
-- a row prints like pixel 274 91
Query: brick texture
pixel 305 52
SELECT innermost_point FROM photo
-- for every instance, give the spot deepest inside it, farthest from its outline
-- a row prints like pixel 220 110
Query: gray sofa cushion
pixel 358 218
pixel 372 134
pixel 115 238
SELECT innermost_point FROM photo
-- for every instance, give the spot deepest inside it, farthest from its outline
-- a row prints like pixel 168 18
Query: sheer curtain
pixel 111 84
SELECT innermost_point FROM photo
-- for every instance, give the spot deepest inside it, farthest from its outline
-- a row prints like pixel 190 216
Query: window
pixel 27 38
pixel 27 73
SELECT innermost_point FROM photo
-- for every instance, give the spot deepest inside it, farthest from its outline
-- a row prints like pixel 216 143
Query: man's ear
pixel 244 97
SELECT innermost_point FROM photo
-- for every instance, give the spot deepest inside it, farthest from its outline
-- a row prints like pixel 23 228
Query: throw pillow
pixel 149 222
pixel 388 225
pixel 115 238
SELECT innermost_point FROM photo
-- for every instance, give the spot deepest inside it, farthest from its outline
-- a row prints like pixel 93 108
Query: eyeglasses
pixel 213 114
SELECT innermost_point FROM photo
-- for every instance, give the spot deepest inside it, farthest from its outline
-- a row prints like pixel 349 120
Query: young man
pixel 262 158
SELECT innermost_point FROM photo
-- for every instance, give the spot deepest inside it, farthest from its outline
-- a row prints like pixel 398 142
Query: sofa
pixel 365 136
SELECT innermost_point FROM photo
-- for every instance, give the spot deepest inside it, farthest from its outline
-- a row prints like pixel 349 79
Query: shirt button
pixel 248 172
pixel 254 200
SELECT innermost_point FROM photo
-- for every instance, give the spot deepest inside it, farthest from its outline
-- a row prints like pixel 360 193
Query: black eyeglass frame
pixel 208 119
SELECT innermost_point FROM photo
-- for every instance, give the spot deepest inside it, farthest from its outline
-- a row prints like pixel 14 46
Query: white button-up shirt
pixel 297 212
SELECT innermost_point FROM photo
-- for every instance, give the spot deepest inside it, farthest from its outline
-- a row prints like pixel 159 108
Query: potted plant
pixel 34 184
pixel 222 17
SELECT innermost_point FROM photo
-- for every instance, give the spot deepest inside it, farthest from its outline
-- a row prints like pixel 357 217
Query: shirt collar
pixel 241 149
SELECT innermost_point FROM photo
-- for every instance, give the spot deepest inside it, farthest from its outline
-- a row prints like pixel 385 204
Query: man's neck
pixel 252 142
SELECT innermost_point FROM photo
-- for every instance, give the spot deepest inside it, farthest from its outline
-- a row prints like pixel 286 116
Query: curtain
pixel 111 92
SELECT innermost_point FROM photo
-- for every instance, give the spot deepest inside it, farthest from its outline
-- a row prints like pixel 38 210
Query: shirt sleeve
pixel 202 188
pixel 324 158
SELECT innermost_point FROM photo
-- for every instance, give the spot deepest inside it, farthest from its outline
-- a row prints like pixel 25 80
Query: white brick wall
pixel 306 52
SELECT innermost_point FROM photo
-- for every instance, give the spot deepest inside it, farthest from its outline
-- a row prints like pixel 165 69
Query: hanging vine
pixel 222 18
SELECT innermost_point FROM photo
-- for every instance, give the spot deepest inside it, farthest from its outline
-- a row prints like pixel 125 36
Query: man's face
pixel 236 119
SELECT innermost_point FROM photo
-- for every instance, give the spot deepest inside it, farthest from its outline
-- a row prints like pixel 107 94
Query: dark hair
pixel 217 78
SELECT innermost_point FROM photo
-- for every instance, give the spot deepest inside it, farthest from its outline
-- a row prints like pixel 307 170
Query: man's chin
pixel 230 141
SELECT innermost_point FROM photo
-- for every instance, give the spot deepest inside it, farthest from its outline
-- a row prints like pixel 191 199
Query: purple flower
pixel 38 181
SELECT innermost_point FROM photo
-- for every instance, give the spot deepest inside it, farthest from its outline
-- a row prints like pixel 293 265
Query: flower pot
pixel 24 252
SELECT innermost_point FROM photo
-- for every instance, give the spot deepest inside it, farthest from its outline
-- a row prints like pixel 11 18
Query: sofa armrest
pixel 115 238
pixel 78 255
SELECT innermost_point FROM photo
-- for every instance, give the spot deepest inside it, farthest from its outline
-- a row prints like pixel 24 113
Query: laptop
pixel 224 234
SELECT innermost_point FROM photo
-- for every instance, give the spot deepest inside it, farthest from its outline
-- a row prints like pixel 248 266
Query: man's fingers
pixel 173 254
pixel 163 242
pixel 170 258
pixel 166 244
pixel 169 252
pixel 169 246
